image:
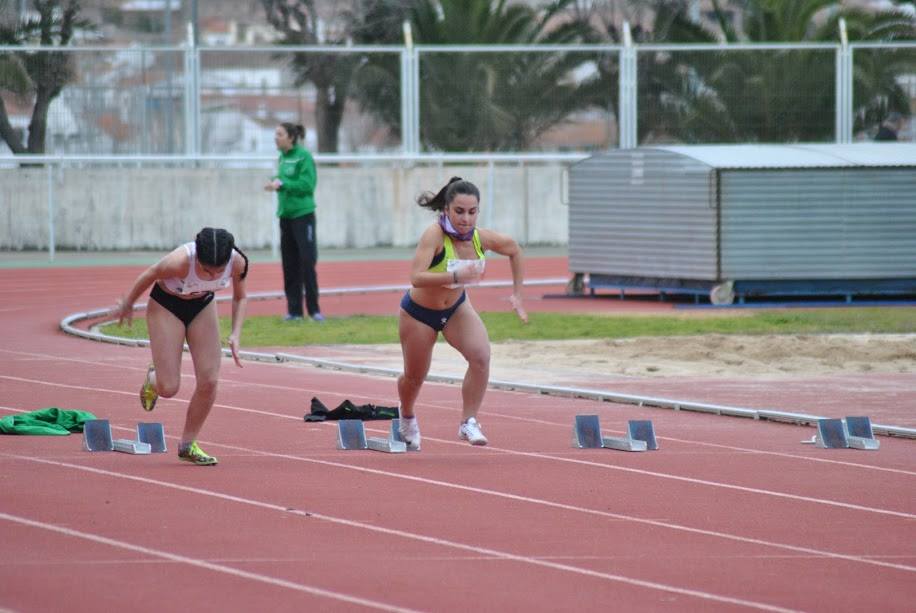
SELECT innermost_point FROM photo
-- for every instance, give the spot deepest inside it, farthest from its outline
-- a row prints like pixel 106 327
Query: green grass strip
pixel 272 331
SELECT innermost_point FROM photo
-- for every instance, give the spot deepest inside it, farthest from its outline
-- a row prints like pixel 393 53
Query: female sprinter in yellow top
pixel 449 256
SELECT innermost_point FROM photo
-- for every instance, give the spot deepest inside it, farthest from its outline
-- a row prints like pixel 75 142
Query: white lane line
pixel 808 551
pixel 548 456
pixel 356 394
pixel 485 551
pixel 227 570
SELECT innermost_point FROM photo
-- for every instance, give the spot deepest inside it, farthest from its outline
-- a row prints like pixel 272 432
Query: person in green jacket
pixel 295 186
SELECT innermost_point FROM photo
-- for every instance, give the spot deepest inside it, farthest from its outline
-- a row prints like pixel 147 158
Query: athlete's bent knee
pixel 206 384
pixel 167 389
pixel 411 379
pixel 479 360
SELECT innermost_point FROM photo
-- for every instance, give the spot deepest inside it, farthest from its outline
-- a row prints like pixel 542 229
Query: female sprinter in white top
pixel 180 309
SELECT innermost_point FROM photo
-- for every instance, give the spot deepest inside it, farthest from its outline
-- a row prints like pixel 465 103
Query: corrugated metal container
pixel 747 219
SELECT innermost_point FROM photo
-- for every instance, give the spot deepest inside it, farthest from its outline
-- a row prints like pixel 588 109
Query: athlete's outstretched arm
pixel 504 244
pixel 239 304
pixel 175 264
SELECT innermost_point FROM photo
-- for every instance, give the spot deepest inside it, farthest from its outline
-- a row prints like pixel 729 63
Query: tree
pixel 786 96
pixel 487 101
pixel 497 101
pixel 755 96
pixel 38 76
pixel 653 21
pixel 302 22
pixel 377 77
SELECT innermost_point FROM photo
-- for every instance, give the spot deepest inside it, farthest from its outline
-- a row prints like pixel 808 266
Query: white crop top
pixel 192 284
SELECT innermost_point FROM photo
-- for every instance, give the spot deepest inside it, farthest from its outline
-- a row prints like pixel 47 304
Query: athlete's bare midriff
pixel 435 298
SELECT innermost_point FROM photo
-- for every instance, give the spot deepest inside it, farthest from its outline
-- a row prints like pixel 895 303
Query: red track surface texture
pixel 729 514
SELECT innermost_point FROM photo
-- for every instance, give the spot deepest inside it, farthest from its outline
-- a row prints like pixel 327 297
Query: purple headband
pixel 447 227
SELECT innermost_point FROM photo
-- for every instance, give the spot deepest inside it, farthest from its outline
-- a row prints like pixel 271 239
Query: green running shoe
pixel 148 395
pixel 195 455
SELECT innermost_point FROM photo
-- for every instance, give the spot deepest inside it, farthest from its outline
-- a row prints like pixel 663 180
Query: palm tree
pixel 661 75
pixel 485 101
pixel 781 95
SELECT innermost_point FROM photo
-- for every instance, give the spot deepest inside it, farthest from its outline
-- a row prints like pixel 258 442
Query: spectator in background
pixel 890 127
pixel 295 186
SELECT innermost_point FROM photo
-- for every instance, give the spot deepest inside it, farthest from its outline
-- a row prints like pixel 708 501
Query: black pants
pixel 299 250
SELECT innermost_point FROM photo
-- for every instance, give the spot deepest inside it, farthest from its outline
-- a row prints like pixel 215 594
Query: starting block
pixel 125 445
pixel 587 435
pixel 852 433
pixel 351 434
pixel 152 434
pixel 859 433
pixel 393 444
pixel 97 437
pixel 642 430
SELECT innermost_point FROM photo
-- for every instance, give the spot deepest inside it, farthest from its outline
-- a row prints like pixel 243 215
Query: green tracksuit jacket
pixel 296 170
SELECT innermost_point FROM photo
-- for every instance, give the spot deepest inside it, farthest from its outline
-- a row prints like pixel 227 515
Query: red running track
pixel 730 514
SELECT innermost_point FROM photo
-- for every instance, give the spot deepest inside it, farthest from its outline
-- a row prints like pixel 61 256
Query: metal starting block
pixel 642 430
pixel 351 434
pixel 859 433
pixel 586 432
pixel 97 437
pixel 386 445
pixel 152 434
pixel 125 445
pixel 393 444
pixel 587 435
pixel 854 432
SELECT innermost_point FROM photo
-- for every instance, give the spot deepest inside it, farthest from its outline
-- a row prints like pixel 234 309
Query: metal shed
pixel 745 220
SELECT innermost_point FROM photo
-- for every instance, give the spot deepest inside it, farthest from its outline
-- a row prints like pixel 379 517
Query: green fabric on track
pixel 48 422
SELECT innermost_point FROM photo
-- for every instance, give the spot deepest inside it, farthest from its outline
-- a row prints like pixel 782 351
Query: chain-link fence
pixel 883 78
pixel 517 99
pixel 377 100
pixel 742 95
pixel 348 101
pixel 116 101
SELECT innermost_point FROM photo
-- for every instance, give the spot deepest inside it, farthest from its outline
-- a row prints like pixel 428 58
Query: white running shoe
pixel 409 430
pixel 470 431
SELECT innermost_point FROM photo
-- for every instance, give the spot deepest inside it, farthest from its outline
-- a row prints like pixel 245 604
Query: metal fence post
pixel 627 98
pixel 408 91
pixel 843 102
pixel 405 102
pixel 192 94
pixel 415 100
pixel 50 174
pixel 491 194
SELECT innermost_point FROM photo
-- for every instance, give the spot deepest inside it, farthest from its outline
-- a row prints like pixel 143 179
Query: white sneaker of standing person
pixel 470 431
pixel 410 432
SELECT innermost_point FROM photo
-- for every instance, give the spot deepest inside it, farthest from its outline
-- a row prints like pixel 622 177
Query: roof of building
pixel 798 155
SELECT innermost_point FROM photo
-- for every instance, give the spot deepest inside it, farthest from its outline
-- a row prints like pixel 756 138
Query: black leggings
pixel 299 249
